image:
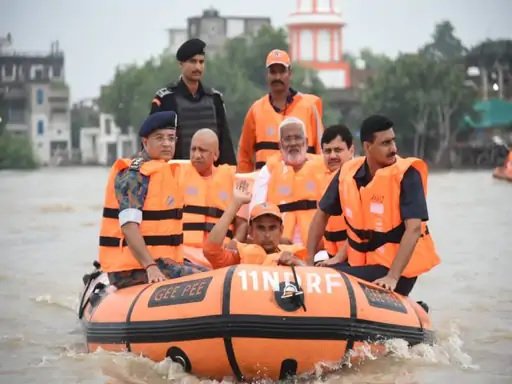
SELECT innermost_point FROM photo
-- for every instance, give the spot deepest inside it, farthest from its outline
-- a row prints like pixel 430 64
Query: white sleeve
pixel 260 187
pixel 128 215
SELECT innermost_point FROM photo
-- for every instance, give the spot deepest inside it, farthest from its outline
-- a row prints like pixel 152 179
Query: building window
pixel 193 29
pixel 56 70
pixel 306 45
pixel 306 6
pixel 108 126
pixel 323 43
pixel 40 127
pixel 16 114
pixel 40 96
pixel 9 71
pixel 37 72
pixel 323 5
pixel 335 35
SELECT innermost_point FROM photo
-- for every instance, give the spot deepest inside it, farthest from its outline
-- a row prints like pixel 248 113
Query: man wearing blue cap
pixel 197 106
pixel 141 232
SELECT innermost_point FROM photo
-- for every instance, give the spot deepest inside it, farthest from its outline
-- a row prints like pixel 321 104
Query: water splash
pixel 12 341
pixel 67 302
pixel 401 365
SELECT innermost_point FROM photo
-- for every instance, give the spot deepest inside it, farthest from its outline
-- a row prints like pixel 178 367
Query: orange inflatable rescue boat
pixel 249 321
pixel 504 172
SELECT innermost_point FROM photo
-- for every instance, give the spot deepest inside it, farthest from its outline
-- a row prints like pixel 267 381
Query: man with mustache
pixel 383 199
pixel 337 149
pixel 293 181
pixel 260 138
pixel 265 229
pixel 197 106
pixel 141 230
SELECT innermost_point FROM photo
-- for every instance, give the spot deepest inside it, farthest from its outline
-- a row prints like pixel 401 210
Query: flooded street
pixel 48 234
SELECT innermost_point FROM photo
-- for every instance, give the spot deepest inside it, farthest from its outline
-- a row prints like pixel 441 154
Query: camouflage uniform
pixel 131 189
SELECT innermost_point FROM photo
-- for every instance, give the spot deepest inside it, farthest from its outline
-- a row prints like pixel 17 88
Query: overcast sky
pixel 97 35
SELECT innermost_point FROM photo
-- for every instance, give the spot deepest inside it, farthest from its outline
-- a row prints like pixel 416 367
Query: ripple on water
pixel 66 302
pixel 56 208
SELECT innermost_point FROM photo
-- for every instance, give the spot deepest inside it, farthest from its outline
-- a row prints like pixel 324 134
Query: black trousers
pixel 374 272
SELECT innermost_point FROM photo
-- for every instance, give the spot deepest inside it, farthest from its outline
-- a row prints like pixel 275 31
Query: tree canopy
pixel 424 94
pixel 238 72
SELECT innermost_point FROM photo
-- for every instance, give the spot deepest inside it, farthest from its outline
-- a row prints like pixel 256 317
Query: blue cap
pixel 158 120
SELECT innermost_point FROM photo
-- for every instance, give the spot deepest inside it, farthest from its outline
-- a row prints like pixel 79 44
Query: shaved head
pixel 204 151
pixel 207 136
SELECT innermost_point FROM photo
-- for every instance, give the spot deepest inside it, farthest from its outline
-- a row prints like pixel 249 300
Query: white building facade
pixel 315 32
pixel 36 101
pixel 106 143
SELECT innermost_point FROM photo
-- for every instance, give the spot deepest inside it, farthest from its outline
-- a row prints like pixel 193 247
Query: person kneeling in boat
pixel 207 192
pixel 141 230
pixel 265 230
pixel 383 199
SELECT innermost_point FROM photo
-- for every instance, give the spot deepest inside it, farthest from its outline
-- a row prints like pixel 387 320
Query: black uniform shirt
pixel 164 100
pixel 413 204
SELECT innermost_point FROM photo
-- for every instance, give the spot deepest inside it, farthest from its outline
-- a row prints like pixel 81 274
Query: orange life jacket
pixel 374 224
pixel 508 161
pixel 193 251
pixel 508 165
pixel 318 104
pixel 204 201
pixel 296 193
pixel 255 254
pixel 161 224
pixel 268 120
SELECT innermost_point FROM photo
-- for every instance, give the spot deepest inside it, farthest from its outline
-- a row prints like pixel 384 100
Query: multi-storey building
pixel 35 99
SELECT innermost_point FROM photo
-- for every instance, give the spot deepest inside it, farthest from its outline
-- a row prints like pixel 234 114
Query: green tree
pixel 3 114
pixel 16 152
pixel 424 94
pixel 128 97
pixel 490 52
pixel 423 97
pixel 403 91
pixel 494 60
pixel 82 116
pixel 452 99
pixel 350 59
pixel 374 61
pixel 445 45
pixel 238 72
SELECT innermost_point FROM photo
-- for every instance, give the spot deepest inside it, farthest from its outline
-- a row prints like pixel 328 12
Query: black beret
pixel 158 120
pixel 189 49
pixel 372 124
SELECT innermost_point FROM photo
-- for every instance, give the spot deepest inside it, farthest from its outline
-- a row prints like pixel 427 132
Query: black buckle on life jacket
pixel 335 236
pixel 299 205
